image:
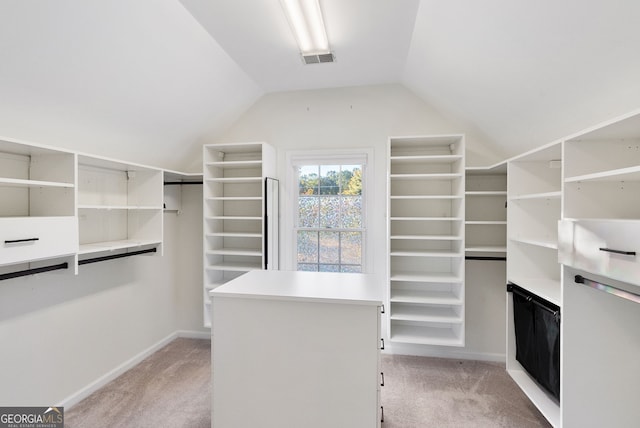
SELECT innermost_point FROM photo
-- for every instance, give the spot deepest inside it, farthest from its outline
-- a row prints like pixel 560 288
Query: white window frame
pixel 295 159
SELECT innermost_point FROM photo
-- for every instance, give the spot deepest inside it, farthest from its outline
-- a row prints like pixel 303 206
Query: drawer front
pixel 24 239
pixel 608 248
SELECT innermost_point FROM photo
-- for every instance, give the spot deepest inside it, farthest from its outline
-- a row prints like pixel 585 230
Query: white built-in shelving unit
pixel 534 201
pixel 37 206
pixel 533 211
pixel 119 206
pixel 234 211
pixel 426 240
pixel 60 209
pixel 600 241
pixel 486 211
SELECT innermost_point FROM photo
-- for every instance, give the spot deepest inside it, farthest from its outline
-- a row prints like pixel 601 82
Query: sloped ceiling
pixel 527 72
pixel 147 80
pixel 135 80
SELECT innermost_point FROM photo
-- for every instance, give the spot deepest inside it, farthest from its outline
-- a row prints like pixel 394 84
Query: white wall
pixel 364 117
pixel 59 333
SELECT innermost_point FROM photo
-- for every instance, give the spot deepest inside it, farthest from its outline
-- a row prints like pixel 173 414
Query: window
pixel 329 229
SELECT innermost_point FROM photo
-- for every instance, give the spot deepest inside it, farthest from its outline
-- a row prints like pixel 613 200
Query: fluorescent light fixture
pixel 305 18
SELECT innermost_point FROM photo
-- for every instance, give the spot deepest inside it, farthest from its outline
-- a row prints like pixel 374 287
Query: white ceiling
pixel 146 80
pixel 370 39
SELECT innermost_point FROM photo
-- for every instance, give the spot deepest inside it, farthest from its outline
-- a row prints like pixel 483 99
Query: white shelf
pixel 234 235
pixel 426 335
pixel 486 193
pixel 428 237
pixel 426 297
pixel 621 174
pixel 235 252
pixel 235 198
pixel 118 207
pixel 425 197
pixel 486 222
pixel 425 159
pixel 16 182
pixel 429 277
pixel 99 247
pixel 235 164
pixel 431 314
pixel 425 218
pixel 544 195
pixel 452 254
pixel 234 266
pixel 232 217
pixel 235 180
pixel 433 176
pixel 546 288
pixel 537 242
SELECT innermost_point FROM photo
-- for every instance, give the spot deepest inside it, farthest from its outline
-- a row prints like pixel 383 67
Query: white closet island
pixel 296 349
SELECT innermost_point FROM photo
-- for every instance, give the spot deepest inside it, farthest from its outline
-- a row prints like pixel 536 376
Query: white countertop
pixel 353 288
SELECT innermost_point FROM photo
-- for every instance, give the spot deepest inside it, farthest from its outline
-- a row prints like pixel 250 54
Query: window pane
pixel 351 180
pixel 351 211
pixel 351 269
pixel 330 211
pixel 308 180
pixel 307 246
pixel 329 179
pixel 351 248
pixel 308 211
pixel 308 267
pixel 329 268
pixel 329 247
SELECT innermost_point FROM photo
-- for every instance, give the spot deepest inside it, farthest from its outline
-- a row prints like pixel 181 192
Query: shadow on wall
pixel 20 296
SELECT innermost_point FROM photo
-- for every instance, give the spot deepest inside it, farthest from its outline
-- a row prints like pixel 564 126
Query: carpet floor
pixel 171 388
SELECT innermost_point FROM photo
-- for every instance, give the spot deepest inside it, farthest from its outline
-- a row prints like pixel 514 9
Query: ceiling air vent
pixel 318 59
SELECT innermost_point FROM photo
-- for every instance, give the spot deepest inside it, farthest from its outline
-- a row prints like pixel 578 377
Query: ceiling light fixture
pixel 305 19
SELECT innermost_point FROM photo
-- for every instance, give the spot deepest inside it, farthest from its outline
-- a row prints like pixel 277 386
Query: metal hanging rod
pixel 116 256
pixel 175 183
pixel 535 299
pixel 33 271
pixel 610 289
pixel 495 258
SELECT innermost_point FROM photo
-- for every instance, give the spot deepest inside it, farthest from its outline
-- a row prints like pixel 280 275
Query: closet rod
pixel 529 296
pixel 33 271
pixel 116 256
pixel 627 295
pixel 485 258
pixel 174 183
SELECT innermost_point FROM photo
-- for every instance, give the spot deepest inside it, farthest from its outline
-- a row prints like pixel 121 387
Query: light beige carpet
pixel 171 388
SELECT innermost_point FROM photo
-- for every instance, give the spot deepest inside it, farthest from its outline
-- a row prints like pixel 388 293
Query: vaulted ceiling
pixel 149 78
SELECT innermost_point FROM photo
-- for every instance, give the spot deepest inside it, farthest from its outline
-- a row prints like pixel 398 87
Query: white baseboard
pixel 441 352
pixel 83 393
pixel 191 334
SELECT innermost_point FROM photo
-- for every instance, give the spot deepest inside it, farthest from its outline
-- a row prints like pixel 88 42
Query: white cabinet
pixel 119 206
pixel 605 247
pixel 234 211
pixel 37 197
pixel 426 240
pixel 298 347
pixel 37 238
pixel 486 211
